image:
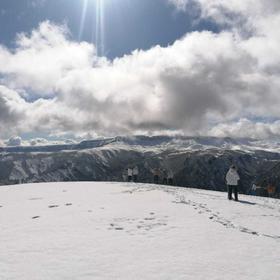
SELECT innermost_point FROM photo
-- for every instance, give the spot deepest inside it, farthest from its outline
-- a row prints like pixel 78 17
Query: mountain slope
pixel 201 169
pixel 127 231
pixel 200 162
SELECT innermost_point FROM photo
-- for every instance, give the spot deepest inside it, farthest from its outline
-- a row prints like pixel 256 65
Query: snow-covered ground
pixel 126 231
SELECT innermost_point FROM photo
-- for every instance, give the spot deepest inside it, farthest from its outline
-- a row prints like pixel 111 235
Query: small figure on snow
pixel 271 190
pixel 135 173
pixel 232 179
pixel 254 189
pixel 164 175
pixel 129 174
pixel 156 173
pixel 170 177
pixel 124 175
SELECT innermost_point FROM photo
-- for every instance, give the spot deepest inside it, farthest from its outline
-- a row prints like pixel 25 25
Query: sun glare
pixel 98 37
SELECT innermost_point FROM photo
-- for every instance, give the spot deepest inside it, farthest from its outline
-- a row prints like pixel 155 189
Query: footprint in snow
pixel 35 217
pixel 119 228
pixel 246 230
pixel 115 227
pixel 149 219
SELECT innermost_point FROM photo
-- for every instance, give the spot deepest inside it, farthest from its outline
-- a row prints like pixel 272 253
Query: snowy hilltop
pixel 130 231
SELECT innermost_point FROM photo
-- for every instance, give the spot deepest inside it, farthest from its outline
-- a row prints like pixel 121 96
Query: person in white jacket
pixel 135 172
pixel 232 179
pixel 170 177
pixel 129 174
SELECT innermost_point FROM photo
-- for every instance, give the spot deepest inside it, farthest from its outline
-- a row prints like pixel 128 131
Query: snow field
pixel 135 231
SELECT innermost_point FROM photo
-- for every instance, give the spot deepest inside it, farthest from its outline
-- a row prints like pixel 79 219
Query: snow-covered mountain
pixel 198 162
pixel 105 231
pixel 182 142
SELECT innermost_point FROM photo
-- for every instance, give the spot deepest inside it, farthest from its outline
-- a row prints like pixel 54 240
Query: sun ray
pixel 100 27
pixel 83 18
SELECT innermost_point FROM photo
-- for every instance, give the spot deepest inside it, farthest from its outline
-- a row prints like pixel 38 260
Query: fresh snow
pixel 98 231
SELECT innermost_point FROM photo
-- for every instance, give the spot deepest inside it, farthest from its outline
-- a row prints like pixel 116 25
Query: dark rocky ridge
pixel 105 160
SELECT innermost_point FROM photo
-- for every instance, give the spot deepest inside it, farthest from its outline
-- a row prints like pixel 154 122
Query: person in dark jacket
pixel 170 177
pixel 156 173
pixel 164 177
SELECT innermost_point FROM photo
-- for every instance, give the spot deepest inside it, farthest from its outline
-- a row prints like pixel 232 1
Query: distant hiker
pixel 271 190
pixel 135 173
pixel 232 179
pixel 156 173
pixel 254 189
pixel 164 175
pixel 170 177
pixel 124 175
pixel 129 174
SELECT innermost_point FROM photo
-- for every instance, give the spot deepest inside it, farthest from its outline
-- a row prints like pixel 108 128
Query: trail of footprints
pixel 216 217
pixel 51 206
pixel 131 226
pixel 136 225
pixel 148 223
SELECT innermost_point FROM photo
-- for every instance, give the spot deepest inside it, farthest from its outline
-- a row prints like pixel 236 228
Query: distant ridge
pixel 147 141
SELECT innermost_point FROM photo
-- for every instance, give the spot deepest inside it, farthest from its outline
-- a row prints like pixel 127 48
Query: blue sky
pixel 192 67
pixel 129 24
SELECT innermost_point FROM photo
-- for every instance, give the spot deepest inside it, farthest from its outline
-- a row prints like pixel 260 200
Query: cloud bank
pixel 224 84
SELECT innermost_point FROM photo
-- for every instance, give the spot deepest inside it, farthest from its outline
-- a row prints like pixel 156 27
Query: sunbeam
pixel 83 18
pixel 100 27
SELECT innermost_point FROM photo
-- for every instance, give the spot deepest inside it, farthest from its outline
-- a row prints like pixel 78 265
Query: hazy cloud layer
pixel 245 128
pixel 14 141
pixel 205 83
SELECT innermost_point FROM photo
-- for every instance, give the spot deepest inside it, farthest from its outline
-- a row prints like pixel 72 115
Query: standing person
pixel 271 190
pixel 129 174
pixel 254 189
pixel 124 175
pixel 135 173
pixel 156 175
pixel 164 180
pixel 170 176
pixel 232 179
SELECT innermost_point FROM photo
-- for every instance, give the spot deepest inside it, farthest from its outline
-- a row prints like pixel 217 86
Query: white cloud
pixel 43 58
pixel 193 85
pixel 39 142
pixel 14 141
pixel 12 112
pixel 45 142
pixel 247 128
pixel 248 7
pixel 37 3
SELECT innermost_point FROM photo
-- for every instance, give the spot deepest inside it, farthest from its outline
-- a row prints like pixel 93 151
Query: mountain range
pixel 199 162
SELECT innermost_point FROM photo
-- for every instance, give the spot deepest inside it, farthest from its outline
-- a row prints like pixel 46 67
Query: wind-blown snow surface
pixel 126 231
